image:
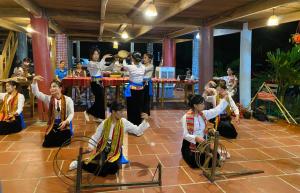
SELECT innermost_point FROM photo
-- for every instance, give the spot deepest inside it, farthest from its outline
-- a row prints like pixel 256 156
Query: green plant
pixel 286 69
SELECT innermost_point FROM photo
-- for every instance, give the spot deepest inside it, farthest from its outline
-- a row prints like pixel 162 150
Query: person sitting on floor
pixel 223 122
pixel 194 124
pixel 106 143
pixel 12 107
pixel 60 113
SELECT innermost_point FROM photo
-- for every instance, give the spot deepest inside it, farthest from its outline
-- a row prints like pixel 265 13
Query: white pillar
pixel 131 47
pixel 78 50
pixel 195 59
pixel 245 66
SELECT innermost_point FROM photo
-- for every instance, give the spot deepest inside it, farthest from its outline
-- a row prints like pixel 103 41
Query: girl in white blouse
pixel 11 110
pixel 134 92
pixel 148 88
pixel 60 113
pixel 107 141
pixel 95 67
pixel 194 124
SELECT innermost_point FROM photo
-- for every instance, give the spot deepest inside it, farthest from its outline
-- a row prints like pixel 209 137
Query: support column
pixel 41 58
pixel 70 53
pixel 206 56
pixel 245 66
pixel 195 59
pixel 169 52
pixel 22 51
pixel 78 50
pixel 131 47
pixel 150 48
pixel 61 48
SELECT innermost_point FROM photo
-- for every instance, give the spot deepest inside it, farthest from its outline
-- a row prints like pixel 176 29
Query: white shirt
pixel 21 100
pixel 148 71
pixel 229 83
pixel 128 127
pixel 96 68
pixel 199 123
pixel 213 100
pixel 136 72
pixel 46 99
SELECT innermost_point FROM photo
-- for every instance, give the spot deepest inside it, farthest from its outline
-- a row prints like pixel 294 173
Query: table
pixel 118 82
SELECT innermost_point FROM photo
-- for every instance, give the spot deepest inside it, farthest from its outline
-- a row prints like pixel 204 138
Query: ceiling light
pixel 273 20
pixel 124 35
pixel 115 45
pixel 151 10
pixel 29 28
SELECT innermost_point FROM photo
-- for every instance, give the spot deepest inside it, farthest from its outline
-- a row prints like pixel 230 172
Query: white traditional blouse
pixel 148 71
pixel 21 100
pixel 96 68
pixel 136 72
pixel 213 100
pixel 46 99
pixel 128 127
pixel 199 123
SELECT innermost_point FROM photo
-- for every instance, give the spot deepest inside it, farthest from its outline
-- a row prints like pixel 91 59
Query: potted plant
pixel 286 69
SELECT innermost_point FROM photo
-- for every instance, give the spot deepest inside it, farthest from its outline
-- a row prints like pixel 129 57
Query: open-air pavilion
pixel 53 26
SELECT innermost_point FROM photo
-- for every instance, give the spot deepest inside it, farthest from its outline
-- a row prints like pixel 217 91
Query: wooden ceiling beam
pixel 11 26
pixel 135 8
pixel 285 18
pixel 121 28
pixel 103 4
pixel 35 10
pixel 182 32
pixel 173 10
pixel 13 12
pixel 90 39
pixel 248 9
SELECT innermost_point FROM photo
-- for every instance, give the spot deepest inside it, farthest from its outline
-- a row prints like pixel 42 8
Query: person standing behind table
pixel 78 72
pixel 60 114
pixel 12 107
pixel 95 67
pixel 61 72
pixel 134 92
pixel 231 81
pixel 148 88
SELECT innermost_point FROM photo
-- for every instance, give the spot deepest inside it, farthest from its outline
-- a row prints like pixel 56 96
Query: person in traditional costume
pixel 76 91
pixel 134 92
pixel 194 124
pixel 60 113
pixel 106 143
pixel 11 110
pixel 231 81
pixel 148 88
pixel 95 67
pixel 223 121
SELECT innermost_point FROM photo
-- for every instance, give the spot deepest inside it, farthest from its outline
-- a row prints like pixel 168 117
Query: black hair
pixel 150 56
pixel 94 49
pixel 27 60
pixel 13 83
pixel 137 56
pixel 222 84
pixel 116 106
pixel 195 100
pixel 61 61
pixel 231 70
pixel 57 82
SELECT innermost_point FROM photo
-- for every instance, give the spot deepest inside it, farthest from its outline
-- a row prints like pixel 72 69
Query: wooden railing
pixel 8 54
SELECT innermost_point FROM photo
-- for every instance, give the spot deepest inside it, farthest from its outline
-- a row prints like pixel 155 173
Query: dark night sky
pixel 226 48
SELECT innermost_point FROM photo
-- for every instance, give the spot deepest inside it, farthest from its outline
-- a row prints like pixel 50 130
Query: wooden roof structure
pixel 92 20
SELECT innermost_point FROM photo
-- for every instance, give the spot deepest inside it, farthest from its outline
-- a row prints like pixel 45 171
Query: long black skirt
pixel 226 128
pixel 135 107
pixel 10 127
pixel 99 167
pixel 98 108
pixel 147 100
pixel 57 138
pixel 190 156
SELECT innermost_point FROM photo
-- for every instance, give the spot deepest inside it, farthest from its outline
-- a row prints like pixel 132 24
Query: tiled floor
pixel 25 167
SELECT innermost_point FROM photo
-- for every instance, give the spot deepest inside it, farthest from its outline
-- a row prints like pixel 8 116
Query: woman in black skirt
pixel 60 113
pixel 134 92
pixel 148 88
pixel 11 110
pixel 95 67
pixel 194 124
